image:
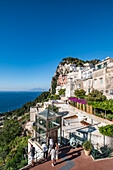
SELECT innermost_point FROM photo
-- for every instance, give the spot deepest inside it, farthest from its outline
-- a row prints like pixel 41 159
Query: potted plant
pixel 87 147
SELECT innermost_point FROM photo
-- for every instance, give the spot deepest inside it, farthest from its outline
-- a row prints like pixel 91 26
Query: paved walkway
pixel 74 159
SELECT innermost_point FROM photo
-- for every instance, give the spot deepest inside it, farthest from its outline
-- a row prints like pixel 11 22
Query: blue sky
pixel 35 35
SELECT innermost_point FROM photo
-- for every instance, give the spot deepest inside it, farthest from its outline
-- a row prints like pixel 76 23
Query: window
pixel 72 86
pixel 89 83
pixel 106 91
pixel 105 64
pixel 95 81
pixel 111 92
pixel 99 67
pixel 101 80
pixel 102 91
pixel 79 85
pixel 88 90
pixel 84 84
pixel 112 79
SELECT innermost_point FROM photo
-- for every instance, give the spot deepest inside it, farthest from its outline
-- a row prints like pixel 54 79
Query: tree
pixel 54 108
pixel 10 130
pixel 79 93
pixel 42 97
pixel 106 130
pixel 104 105
pixel 96 95
pixel 62 92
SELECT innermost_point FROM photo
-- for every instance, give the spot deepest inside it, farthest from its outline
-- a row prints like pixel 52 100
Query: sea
pixel 14 100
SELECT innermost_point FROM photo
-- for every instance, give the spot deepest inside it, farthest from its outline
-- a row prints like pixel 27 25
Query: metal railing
pixel 100 154
pixel 36 157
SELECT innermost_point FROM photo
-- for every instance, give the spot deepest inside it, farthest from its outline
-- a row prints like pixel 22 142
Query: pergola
pixel 48 124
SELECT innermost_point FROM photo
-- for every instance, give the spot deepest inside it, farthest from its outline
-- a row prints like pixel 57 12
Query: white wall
pixel 37 149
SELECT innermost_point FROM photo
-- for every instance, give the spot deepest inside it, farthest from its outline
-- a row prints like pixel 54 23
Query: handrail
pixel 37 155
pixel 99 155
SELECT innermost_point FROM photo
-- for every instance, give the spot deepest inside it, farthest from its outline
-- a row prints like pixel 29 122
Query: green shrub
pixel 62 92
pixel 106 130
pixel 87 145
pixel 109 116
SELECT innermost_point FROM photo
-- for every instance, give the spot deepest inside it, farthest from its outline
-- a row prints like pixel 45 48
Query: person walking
pixel 56 150
pixel 52 153
pixel 45 150
pixel 50 144
pixel 32 151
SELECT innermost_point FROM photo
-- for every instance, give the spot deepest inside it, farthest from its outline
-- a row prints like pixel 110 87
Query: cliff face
pixel 64 68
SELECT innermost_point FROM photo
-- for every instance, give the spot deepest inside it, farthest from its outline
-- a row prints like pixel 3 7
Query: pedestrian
pixel 52 153
pixel 32 151
pixel 50 144
pixel 45 150
pixel 56 150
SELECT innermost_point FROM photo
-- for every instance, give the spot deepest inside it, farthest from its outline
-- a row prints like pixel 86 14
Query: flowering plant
pixel 78 100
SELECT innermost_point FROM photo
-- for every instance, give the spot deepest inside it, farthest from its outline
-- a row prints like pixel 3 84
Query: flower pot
pixel 87 153
pixel 86 125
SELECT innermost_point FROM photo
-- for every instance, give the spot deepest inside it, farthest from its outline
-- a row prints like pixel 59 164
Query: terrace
pixel 73 159
pixel 70 158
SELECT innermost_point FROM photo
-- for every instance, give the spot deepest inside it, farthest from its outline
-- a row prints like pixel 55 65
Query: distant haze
pixel 38 89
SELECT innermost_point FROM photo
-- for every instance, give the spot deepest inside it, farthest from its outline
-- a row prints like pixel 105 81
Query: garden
pixel 94 103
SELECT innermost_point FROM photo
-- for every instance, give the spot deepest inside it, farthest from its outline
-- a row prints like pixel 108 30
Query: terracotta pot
pixel 87 153
pixel 86 125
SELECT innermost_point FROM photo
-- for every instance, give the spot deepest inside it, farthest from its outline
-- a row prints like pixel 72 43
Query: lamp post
pixel 90 126
pixel 90 131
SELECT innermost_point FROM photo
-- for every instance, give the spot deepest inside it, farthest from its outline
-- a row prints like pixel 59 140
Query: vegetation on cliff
pixel 78 62
pixel 13 140
pixel 54 83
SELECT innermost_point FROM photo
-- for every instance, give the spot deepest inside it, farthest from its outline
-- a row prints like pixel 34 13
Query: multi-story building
pixel 72 81
pixel 66 68
pixel 62 80
pixel 88 85
pixel 89 77
pixel 87 80
pixel 103 77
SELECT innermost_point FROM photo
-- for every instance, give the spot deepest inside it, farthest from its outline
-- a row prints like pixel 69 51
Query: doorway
pixel 54 135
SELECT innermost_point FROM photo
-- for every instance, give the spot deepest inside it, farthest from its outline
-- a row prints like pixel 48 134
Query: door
pixel 54 135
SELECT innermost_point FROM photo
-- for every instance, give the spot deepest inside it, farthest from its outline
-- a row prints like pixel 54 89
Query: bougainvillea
pixel 78 100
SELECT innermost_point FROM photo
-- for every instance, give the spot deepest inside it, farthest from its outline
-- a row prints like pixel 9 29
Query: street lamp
pixel 90 127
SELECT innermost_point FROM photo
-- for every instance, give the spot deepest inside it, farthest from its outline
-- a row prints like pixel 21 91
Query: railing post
pixel 35 127
pixel 83 107
pixel 77 105
pixel 80 106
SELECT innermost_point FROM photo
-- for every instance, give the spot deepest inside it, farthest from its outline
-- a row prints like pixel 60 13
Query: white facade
pixel 90 77
pixel 71 80
pixel 87 73
pixel 33 112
